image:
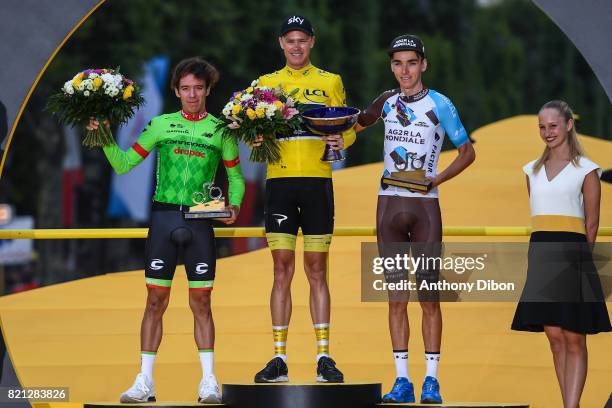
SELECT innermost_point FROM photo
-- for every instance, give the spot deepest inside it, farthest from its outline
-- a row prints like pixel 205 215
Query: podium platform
pixel 162 404
pixel 304 395
pixel 307 395
pixel 458 405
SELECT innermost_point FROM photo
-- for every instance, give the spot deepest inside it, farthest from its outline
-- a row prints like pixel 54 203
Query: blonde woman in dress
pixel 562 295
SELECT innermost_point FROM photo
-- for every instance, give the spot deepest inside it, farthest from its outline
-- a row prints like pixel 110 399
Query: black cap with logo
pixel 407 42
pixel 296 22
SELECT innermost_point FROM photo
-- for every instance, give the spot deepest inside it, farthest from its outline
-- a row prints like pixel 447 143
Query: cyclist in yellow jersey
pixel 299 193
pixel 301 153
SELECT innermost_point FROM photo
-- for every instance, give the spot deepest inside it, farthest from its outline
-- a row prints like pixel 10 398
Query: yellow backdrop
pixel 85 334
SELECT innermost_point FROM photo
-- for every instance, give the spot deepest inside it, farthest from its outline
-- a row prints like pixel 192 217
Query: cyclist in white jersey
pixel 416 121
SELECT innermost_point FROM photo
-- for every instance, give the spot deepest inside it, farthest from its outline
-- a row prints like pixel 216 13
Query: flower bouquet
pixel 101 93
pixel 261 110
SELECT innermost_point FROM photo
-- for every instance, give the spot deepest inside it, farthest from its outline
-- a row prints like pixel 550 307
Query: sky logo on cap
pixel 296 22
pixel 295 19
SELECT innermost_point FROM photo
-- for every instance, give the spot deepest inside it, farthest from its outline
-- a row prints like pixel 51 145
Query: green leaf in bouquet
pixel 99 137
pixel 294 92
pixel 267 152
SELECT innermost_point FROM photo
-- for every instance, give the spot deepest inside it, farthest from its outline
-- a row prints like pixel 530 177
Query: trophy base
pixel 332 156
pixel 333 161
pixel 212 209
pixel 195 215
pixel 416 184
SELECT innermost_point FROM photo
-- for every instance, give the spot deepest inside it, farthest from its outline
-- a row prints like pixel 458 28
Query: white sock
pixel 147 360
pixel 431 362
pixel 401 363
pixel 207 360
pixel 282 356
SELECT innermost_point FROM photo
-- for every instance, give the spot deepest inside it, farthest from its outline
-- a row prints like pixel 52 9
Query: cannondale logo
pixel 201 268
pixel 157 264
pixel 280 218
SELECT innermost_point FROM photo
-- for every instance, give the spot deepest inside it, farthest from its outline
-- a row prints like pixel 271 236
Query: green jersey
pixel 188 153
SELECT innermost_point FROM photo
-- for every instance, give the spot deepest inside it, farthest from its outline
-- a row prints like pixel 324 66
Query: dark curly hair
pixel 197 66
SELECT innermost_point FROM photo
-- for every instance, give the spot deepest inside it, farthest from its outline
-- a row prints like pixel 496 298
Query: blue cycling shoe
pixel 402 391
pixel 431 391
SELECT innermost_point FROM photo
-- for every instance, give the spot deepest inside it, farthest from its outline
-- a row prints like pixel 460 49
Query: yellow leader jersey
pixel 301 152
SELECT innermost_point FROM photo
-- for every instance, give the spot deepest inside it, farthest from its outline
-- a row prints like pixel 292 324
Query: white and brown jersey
pixel 415 127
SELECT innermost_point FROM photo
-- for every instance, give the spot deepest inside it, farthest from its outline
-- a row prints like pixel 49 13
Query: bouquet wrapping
pixel 104 94
pixel 265 111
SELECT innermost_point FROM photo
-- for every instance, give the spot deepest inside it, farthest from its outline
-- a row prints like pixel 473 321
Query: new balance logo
pixel 295 19
pixel 280 218
pixel 201 268
pixel 157 264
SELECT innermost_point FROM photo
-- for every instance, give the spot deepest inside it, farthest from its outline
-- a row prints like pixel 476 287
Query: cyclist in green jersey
pixel 189 150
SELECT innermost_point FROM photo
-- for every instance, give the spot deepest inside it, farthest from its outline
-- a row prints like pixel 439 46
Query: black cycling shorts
pixel 410 225
pixel 169 233
pixel 299 202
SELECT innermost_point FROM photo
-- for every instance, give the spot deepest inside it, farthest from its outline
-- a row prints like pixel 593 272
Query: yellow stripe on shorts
pixel 317 243
pixel 277 240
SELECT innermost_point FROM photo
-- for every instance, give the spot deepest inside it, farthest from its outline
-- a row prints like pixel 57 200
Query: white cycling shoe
pixel 142 390
pixel 208 391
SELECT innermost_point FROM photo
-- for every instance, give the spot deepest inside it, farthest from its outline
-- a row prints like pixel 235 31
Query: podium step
pixel 159 404
pixel 458 405
pixel 314 395
pixel 296 396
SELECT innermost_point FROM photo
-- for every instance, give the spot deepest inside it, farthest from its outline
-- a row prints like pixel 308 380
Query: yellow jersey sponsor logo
pixel 315 95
